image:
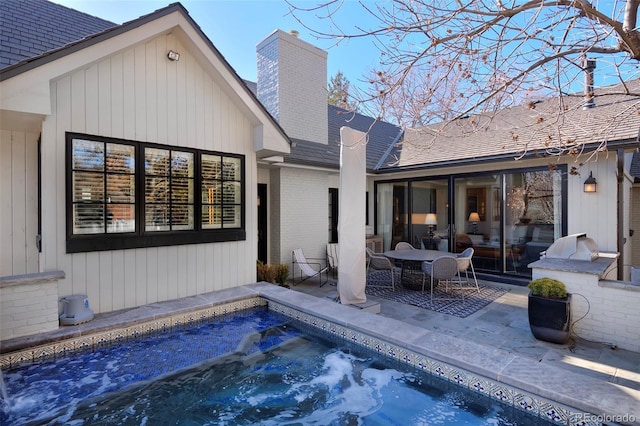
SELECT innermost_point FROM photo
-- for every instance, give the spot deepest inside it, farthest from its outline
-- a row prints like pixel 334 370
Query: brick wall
pixel 28 305
pixel 609 309
pixel 267 73
pixel 292 84
pixel 303 216
pixel 275 228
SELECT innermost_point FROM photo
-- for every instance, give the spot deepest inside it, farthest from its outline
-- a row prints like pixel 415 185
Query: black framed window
pixel 221 191
pixel 103 187
pixel 168 190
pixel 127 194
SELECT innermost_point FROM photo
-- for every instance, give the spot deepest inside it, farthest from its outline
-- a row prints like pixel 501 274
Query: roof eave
pixel 625 144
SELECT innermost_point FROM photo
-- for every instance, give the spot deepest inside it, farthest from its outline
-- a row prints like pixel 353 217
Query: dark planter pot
pixel 550 319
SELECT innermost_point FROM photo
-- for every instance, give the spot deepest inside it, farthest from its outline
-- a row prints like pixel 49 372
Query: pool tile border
pixel 533 404
pixel 126 333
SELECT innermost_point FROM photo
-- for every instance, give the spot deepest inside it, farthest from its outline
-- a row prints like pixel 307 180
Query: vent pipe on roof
pixel 294 33
pixel 588 66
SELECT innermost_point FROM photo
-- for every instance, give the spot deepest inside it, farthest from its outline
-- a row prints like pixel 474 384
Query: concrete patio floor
pixel 504 324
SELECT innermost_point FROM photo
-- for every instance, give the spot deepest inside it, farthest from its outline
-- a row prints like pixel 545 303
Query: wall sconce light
pixel 590 185
pixel 474 218
pixel 173 56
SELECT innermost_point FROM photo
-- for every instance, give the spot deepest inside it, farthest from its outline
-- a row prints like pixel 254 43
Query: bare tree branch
pixel 441 60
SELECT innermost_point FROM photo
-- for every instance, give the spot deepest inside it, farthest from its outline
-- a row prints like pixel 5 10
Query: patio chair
pixel 380 262
pixel 309 269
pixel 332 258
pixel 402 245
pixel 407 267
pixel 464 264
pixel 443 268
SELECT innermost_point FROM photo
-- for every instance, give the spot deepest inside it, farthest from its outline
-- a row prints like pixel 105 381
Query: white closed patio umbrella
pixel 351 217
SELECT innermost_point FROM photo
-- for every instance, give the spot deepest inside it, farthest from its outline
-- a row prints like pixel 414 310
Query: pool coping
pixel 504 376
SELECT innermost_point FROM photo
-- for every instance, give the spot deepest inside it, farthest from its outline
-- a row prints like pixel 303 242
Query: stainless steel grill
pixel 576 247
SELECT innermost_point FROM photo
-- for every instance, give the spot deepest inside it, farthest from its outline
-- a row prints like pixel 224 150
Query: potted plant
pixel 549 310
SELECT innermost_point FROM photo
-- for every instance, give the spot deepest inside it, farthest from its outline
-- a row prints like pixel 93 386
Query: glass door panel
pixel 429 214
pixel 416 212
pixel 533 216
pixel 392 213
pixel 477 220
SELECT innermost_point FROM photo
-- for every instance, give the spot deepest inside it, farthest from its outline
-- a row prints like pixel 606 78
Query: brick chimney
pixel 292 84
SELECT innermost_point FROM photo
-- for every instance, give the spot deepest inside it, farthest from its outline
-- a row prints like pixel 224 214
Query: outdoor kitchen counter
pixel 599 266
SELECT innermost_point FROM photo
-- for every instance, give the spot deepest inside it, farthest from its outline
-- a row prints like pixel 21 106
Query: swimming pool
pixel 501 376
pixel 249 367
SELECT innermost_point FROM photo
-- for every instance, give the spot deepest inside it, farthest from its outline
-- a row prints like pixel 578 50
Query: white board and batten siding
pixel 139 95
pixel 18 202
pixel 595 213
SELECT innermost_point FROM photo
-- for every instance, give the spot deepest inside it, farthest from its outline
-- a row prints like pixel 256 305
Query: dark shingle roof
pixel 529 130
pixel 30 28
pixel 252 85
pixel 381 135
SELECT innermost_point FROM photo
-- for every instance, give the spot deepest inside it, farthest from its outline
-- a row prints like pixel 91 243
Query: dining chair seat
pixel 380 262
pixel 443 268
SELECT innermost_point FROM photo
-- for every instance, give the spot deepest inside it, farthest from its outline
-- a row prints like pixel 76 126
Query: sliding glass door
pixel 507 217
pixel 415 212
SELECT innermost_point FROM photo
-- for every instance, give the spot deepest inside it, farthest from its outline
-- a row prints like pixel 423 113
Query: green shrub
pixel 548 287
pixel 265 272
pixel 282 273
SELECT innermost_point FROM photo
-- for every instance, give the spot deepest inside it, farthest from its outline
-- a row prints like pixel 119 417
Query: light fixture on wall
pixel 173 56
pixel 590 185
pixel 474 218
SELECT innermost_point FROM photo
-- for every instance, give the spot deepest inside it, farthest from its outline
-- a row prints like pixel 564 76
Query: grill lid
pixel 576 247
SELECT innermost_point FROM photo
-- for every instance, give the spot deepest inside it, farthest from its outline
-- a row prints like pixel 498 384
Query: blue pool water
pixel 250 367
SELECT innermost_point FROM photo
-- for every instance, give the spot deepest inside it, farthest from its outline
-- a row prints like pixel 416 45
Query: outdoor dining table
pixel 415 255
pixel 411 261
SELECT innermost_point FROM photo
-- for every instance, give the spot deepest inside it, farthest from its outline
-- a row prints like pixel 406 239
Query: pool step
pixel 265 340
